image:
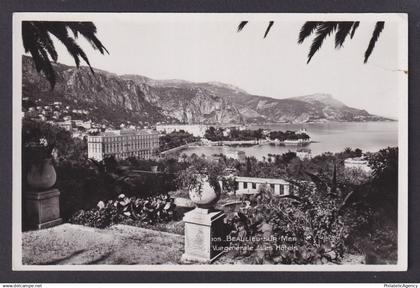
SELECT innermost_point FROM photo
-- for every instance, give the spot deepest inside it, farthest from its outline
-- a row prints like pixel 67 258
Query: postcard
pixel 210 141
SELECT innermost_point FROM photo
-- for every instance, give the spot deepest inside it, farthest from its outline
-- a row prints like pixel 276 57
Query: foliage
pixel 233 134
pixel 334 211
pixel 68 148
pixel 332 214
pixel 151 210
pixel 191 177
pixel 60 145
pixel 176 139
pixel 288 135
pixel 342 30
pixel 290 230
pixel 82 182
pixel 38 150
pixel 229 184
pixel 383 190
pixel 37 40
pixel 323 29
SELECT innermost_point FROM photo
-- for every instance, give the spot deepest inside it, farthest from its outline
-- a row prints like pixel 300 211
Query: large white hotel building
pixel 123 144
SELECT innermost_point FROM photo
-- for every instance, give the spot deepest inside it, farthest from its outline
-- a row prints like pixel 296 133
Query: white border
pixel 401 19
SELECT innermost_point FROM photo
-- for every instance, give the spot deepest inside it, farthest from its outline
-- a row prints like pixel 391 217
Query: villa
pixel 304 154
pixel 197 130
pixel 357 163
pixel 237 155
pixel 250 185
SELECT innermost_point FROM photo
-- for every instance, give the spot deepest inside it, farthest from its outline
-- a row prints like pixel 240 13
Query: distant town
pixel 129 140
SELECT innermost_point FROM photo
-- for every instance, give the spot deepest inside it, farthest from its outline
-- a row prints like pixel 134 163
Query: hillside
pixel 140 99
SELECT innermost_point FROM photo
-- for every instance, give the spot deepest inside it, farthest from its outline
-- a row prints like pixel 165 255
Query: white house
pixel 304 154
pixel 198 130
pixel 250 185
pixel 237 155
pixel 357 163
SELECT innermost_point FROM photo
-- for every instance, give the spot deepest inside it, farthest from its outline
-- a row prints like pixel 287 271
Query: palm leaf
pixel 307 29
pixel 323 31
pixel 242 25
pixel 37 41
pixel 270 24
pixel 88 31
pixel 45 42
pixel 342 31
pixel 353 29
pixel 34 45
pixel 375 35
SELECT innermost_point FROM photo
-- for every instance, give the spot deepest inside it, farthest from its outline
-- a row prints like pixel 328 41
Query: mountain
pixel 135 98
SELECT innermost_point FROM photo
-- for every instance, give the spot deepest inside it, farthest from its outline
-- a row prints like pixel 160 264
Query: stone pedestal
pixel 42 208
pixel 204 235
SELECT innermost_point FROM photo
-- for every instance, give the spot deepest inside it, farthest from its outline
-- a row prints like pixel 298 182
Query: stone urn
pixel 42 176
pixel 205 193
pixel 205 230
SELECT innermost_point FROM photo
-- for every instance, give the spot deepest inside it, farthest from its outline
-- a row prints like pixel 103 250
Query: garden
pixel 332 212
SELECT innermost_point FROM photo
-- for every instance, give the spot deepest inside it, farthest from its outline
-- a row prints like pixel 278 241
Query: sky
pixel 203 49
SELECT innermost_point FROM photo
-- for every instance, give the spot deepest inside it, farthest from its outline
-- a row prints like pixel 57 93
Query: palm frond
pixel 343 31
pixel 307 29
pixel 60 31
pixel 37 41
pixel 270 24
pixel 46 42
pixel 375 35
pixel 88 31
pixel 322 32
pixel 354 28
pixel 242 25
pixel 34 45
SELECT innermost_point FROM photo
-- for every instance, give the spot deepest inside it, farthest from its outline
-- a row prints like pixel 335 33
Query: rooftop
pixel 261 180
pixel 356 159
pixel 126 132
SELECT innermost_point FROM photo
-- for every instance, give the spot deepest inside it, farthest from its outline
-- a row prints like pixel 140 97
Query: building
pixel 122 144
pixel 65 124
pixel 81 123
pixel 304 154
pixel 297 141
pixel 250 185
pixel 237 155
pixel 357 163
pixel 198 130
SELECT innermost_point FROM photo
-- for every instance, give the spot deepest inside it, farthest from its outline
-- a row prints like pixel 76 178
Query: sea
pixel 327 137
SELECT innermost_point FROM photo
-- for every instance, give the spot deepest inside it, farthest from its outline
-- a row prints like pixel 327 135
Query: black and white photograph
pixel 210 141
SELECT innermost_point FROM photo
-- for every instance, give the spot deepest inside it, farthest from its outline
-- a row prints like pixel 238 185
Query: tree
pixel 322 30
pixel 36 36
pixel 288 156
pixel 384 191
pixel 67 147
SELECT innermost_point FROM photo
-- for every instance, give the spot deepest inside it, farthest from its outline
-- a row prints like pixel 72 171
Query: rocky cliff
pixel 138 98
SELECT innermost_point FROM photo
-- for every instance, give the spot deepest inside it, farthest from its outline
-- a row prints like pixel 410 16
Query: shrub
pixel 151 210
pixel 289 230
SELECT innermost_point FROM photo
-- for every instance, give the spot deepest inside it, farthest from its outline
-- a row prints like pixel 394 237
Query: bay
pixel 327 137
